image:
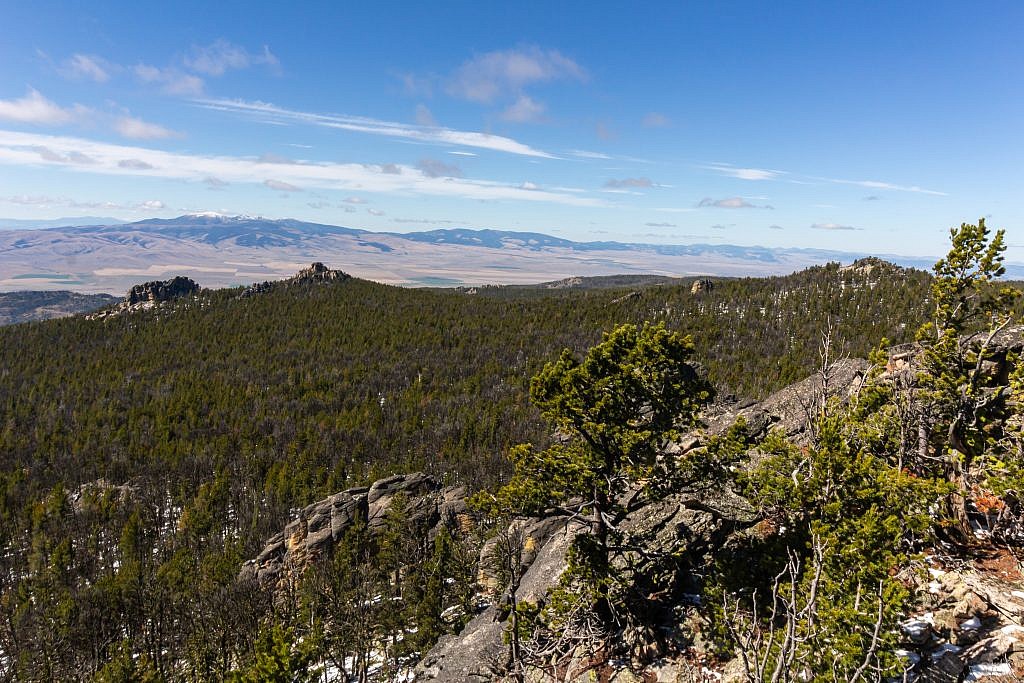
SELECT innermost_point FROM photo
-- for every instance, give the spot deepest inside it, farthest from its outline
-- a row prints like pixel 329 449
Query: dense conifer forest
pixel 145 456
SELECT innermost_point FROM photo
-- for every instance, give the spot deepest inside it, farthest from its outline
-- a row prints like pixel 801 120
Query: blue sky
pixel 854 126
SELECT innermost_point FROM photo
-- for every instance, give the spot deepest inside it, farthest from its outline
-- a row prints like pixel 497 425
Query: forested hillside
pixel 143 457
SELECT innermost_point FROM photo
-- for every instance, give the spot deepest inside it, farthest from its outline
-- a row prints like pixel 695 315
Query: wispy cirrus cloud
pixel 745 173
pixel 359 124
pixel 584 154
pixel 881 185
pixel 789 176
pixel 83 155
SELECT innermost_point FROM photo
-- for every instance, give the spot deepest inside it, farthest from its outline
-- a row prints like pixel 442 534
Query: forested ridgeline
pixel 143 457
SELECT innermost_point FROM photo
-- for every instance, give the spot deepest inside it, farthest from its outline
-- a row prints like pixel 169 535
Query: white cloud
pixel 171 80
pixel 462 153
pixel 55 202
pixel 88 66
pixel 524 110
pixel 424 117
pixel 656 120
pixel 832 226
pixel 354 200
pixel 221 56
pixel 137 129
pixel 443 136
pixel 489 76
pixel 69 157
pixel 629 182
pixel 770 174
pixel 438 169
pixel 35 109
pixel 21 149
pixel 281 186
pixel 745 173
pixel 375 212
pixel 136 164
pixel 584 154
pixel 880 185
pixel 730 203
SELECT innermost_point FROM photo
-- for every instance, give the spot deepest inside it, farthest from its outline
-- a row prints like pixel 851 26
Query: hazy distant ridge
pixel 221 251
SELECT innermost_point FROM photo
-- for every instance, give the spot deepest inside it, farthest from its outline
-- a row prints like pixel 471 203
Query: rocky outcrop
pixel 969 624
pixel 150 294
pixel 158 291
pixel 318 527
pixel 788 409
pixel 702 286
pixel 477 652
pixel 316 273
pixel 696 524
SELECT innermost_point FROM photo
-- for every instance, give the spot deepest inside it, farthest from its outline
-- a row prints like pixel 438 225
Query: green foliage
pixel 278 659
pixel 839 527
pixel 219 416
pixel 614 411
pixel 962 406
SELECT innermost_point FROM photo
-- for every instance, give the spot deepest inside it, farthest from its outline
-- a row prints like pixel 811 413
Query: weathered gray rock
pixel 158 291
pixel 318 527
pixel 316 273
pixel 478 651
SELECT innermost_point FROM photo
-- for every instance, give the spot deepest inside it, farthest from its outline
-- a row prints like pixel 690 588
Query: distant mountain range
pixel 219 251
